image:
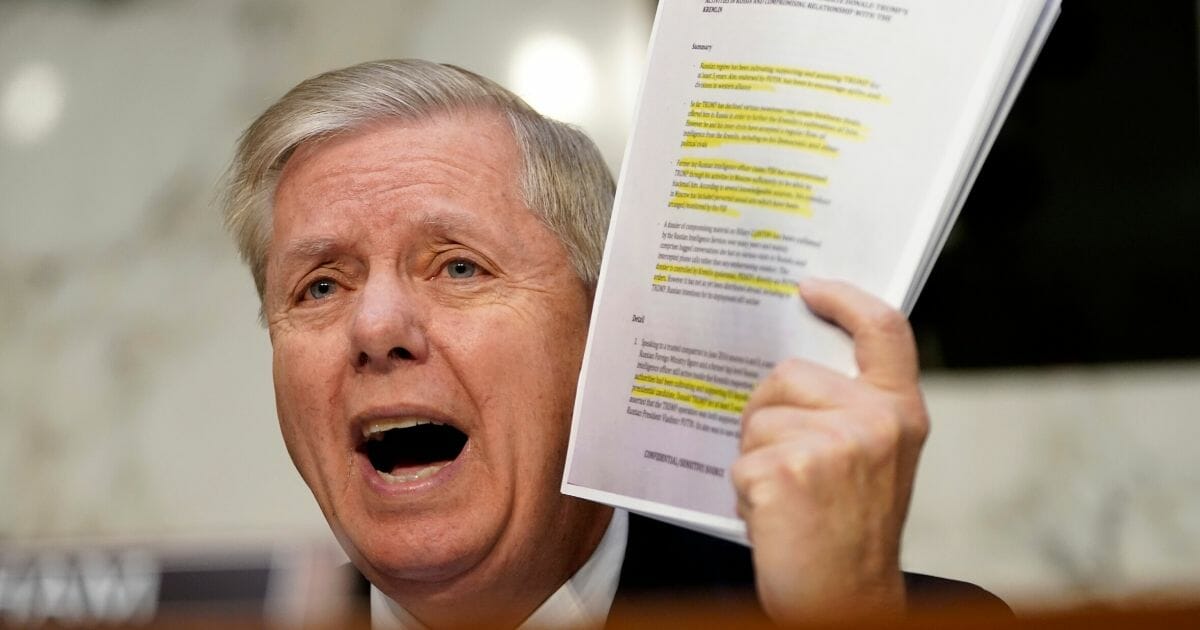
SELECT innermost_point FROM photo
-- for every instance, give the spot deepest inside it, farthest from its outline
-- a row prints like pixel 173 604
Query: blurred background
pixel 1059 330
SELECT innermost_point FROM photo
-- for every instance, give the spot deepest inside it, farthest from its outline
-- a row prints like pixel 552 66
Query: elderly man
pixel 426 248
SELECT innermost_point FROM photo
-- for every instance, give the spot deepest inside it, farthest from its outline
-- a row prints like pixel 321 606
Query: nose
pixel 388 328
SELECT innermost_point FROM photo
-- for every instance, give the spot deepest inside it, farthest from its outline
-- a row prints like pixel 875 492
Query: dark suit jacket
pixel 667 562
pixel 664 562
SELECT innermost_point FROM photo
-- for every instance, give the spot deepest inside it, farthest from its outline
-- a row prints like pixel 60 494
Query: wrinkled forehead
pixel 473 134
pixel 392 186
pixel 470 158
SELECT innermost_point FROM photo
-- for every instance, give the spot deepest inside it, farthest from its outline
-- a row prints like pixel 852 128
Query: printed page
pixel 774 139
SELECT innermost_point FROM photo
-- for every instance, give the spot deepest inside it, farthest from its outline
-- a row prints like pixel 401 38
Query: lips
pixel 409 448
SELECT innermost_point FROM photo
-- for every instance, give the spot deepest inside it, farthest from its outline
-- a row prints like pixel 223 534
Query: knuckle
pixel 882 427
pixel 890 322
pixel 749 428
pixel 912 418
pixel 892 424
pixel 919 428
pixel 761 494
pixel 756 429
pixel 743 473
pixel 752 485
pixel 799 468
pixel 884 437
pixel 787 370
pixel 917 409
pixel 753 420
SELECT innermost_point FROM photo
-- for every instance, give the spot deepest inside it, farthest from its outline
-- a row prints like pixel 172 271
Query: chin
pixel 432 547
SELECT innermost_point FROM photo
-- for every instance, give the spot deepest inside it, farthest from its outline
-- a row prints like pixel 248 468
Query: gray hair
pixel 563 179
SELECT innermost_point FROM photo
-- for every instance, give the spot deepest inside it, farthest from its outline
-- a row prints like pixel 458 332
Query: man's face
pixel 427 332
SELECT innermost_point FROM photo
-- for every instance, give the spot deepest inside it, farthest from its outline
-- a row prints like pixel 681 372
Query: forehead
pixel 463 153
pixel 453 169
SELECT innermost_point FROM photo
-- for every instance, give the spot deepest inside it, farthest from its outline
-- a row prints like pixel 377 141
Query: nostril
pixel 395 354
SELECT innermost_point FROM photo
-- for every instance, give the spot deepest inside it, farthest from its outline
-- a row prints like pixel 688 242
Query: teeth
pixel 375 429
pixel 414 476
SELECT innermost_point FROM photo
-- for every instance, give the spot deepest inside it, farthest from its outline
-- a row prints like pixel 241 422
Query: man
pixel 426 249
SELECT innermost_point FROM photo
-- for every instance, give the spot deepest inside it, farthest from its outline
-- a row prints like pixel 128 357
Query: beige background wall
pixel 135 395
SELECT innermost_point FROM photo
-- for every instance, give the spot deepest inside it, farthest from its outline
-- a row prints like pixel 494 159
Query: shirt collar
pixel 583 600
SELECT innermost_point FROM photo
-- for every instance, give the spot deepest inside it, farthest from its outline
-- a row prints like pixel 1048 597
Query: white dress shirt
pixel 583 600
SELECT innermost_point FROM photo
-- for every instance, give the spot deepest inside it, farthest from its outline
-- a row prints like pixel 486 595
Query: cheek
pixel 521 369
pixel 306 390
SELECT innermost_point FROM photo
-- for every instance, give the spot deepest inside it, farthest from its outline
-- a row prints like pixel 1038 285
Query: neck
pixel 504 590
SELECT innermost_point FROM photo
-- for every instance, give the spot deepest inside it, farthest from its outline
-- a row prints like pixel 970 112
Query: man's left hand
pixel 827 465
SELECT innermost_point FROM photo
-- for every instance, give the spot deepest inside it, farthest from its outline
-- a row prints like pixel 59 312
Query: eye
pixel 321 288
pixel 461 269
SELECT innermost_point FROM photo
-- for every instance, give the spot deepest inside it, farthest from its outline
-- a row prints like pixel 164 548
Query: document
pixel 774 139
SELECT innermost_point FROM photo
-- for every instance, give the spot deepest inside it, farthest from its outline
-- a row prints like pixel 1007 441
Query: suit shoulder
pixel 663 560
pixel 928 593
pixel 660 558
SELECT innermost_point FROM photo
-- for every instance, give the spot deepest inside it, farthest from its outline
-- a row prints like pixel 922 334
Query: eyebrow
pixel 310 248
pixel 444 223
pixel 441 224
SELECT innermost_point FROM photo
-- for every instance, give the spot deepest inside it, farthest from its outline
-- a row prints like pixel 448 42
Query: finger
pixel 883 340
pixel 774 425
pixel 866 436
pixel 799 383
pixel 756 475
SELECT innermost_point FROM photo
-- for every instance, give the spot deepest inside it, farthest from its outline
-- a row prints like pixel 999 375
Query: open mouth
pixel 409 449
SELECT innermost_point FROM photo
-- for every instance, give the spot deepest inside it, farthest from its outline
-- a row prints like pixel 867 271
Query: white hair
pixel 563 179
